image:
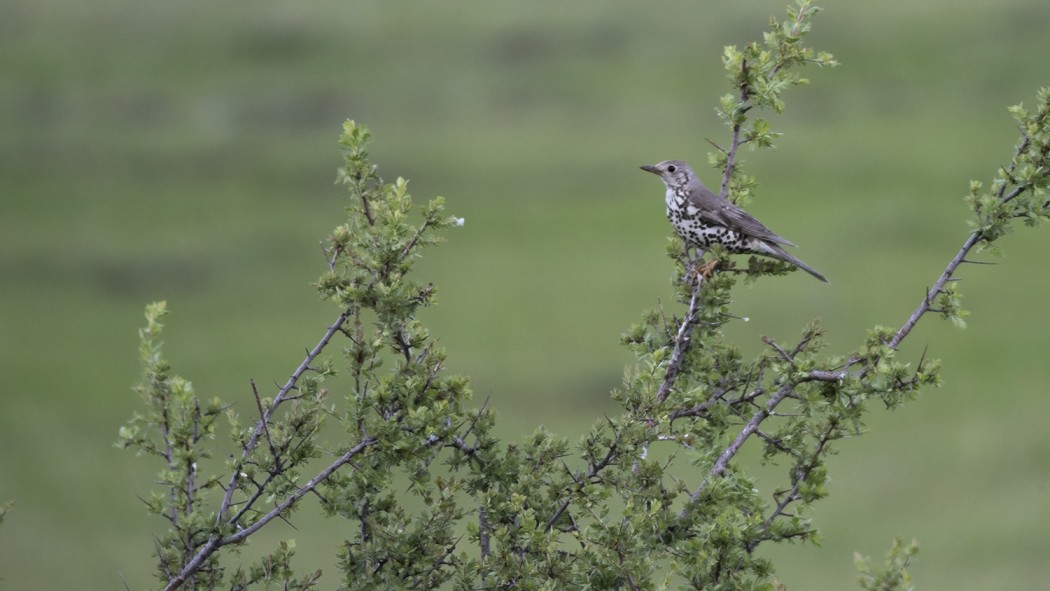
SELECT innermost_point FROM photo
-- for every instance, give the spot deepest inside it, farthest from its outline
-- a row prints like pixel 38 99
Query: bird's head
pixel 674 173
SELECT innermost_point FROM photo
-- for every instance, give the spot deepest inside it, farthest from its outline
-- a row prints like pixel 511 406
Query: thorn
pixel 979 262
pixel 717 147
pixel 288 523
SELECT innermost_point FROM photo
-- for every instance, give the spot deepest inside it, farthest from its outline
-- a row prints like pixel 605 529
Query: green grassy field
pixel 186 151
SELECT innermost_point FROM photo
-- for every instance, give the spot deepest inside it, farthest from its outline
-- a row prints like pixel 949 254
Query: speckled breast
pixel 690 226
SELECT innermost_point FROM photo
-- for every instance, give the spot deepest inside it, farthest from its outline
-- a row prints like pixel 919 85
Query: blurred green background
pixel 186 151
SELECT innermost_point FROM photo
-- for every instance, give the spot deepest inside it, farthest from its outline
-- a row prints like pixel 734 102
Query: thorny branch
pixel 947 276
pixel 261 426
pixel 217 541
pixel 749 429
pixel 682 341
pixel 223 519
pixel 925 305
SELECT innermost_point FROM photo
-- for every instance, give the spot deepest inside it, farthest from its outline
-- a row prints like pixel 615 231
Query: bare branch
pixel 266 429
pixel 330 260
pixel 682 341
pixel 783 354
pixel 938 285
pixel 745 95
pixel 403 345
pixel 483 531
pixel 365 207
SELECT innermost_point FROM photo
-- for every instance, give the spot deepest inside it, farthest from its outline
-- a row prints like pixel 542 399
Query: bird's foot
pixel 698 272
pixel 704 271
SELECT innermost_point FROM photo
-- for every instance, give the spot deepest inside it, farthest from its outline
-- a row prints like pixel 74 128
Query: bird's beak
pixel 650 168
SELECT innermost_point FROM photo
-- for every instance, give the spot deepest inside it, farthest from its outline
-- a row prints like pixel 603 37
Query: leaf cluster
pixel 1019 189
pixel 893 574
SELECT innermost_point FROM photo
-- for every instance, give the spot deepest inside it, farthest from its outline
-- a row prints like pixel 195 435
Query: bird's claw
pixel 698 272
pixel 706 269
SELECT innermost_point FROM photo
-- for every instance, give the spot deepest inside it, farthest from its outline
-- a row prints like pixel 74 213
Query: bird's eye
pixel 672 168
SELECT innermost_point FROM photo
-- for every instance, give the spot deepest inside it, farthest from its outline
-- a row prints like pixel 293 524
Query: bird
pixel 703 218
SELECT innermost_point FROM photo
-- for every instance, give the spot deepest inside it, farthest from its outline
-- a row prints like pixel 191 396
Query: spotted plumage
pixel 703 218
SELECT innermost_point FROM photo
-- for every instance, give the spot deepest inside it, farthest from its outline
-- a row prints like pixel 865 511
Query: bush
pixel 617 509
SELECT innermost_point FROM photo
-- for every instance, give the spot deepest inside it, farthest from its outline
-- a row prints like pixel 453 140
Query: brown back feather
pixel 719 210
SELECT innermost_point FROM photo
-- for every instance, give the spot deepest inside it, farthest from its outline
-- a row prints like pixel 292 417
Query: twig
pixel 682 341
pixel 483 532
pixel 780 350
pixel 437 564
pixel 403 345
pixel 938 285
pixel 366 532
pixel 460 441
pixel 169 457
pixel 266 428
pixel 364 203
pixel 415 238
pixel 609 458
pixel 745 95
pixel 330 261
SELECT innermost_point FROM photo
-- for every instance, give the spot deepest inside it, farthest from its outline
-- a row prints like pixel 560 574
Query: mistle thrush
pixel 703 218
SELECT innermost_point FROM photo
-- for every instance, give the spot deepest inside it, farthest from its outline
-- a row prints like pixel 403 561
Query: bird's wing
pixel 731 216
pixel 716 209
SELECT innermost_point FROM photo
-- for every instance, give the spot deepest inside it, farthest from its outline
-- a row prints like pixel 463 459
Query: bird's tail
pixel 783 255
